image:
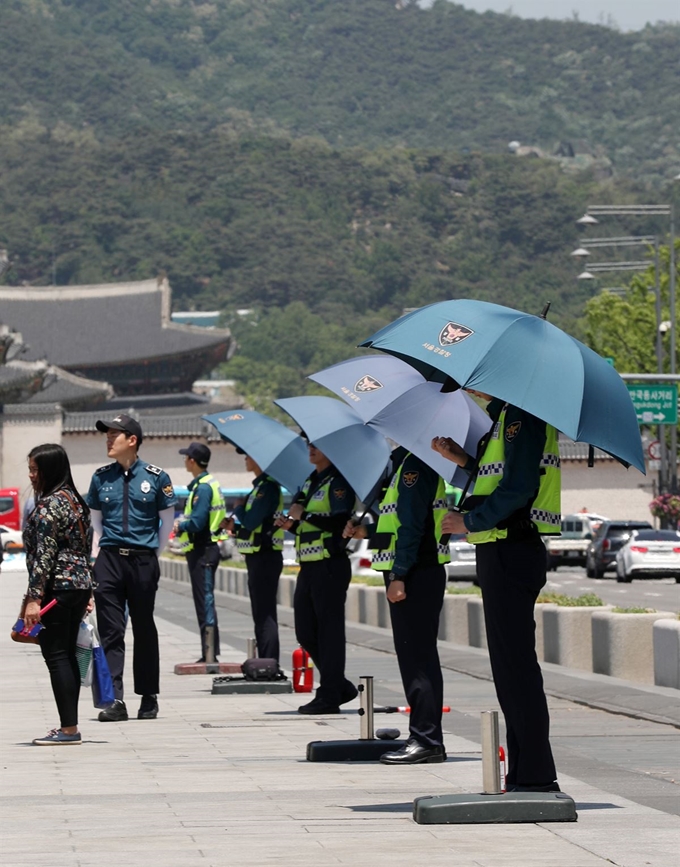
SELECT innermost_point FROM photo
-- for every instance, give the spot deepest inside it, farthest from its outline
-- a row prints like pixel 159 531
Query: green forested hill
pixel 327 162
pixel 355 72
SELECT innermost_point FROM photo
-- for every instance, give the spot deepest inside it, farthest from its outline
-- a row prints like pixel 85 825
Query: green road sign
pixel 655 402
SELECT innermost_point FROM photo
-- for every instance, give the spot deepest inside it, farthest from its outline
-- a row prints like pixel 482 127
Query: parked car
pixel 570 547
pixel 463 565
pixel 649 554
pixel 11 540
pixel 611 536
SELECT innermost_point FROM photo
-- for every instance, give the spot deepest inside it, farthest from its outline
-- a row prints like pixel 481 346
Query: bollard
pixel 251 648
pixel 366 708
pixel 491 770
pixel 210 645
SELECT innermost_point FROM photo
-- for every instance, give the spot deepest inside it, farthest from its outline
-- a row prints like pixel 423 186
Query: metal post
pixel 251 648
pixel 366 708
pixel 491 769
pixel 660 429
pixel 210 644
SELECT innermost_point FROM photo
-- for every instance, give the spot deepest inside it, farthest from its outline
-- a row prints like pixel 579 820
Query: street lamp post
pixel 590 218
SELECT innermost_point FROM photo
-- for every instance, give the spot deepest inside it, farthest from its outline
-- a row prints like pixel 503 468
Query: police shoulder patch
pixel 512 430
pixel 168 490
pixel 152 469
pixel 104 469
pixel 409 479
pixel 339 493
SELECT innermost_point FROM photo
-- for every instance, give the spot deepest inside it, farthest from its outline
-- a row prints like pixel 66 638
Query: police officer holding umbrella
pixel 262 544
pixel 410 553
pixel 318 517
pixel 198 532
pixel 516 500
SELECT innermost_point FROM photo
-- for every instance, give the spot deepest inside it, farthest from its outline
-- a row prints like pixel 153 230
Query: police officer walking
pixel 516 500
pixel 198 532
pixel 129 500
pixel 411 556
pixel 318 517
pixel 262 544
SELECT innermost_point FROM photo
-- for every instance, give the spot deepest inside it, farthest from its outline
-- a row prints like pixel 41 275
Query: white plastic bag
pixel 84 645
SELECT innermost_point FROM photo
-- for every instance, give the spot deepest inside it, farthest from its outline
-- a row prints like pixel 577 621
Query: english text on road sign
pixel 655 403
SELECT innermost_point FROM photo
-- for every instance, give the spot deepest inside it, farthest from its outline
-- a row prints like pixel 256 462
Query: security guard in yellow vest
pixel 516 500
pixel 318 517
pixel 262 545
pixel 410 552
pixel 198 533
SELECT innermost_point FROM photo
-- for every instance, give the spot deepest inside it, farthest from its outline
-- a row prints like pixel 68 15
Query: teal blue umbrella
pixel 359 452
pixel 278 450
pixel 395 399
pixel 524 360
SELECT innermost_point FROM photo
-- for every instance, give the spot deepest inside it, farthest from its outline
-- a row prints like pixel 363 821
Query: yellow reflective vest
pixel 251 543
pixel 545 510
pixel 389 523
pixel 217 513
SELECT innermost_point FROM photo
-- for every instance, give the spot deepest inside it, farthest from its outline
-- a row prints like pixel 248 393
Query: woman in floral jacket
pixel 57 544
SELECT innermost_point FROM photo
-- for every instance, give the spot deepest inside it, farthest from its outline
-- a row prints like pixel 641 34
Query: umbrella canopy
pixel 391 396
pixel 279 451
pixel 524 360
pixel 359 452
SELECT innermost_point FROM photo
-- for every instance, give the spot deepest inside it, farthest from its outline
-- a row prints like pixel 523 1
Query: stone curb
pixel 644 648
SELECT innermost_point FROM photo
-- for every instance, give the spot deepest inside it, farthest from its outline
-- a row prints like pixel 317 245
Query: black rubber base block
pixel 494 809
pixel 221 686
pixel 350 751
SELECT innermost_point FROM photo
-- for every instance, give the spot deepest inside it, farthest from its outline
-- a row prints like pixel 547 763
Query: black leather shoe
pixel 148 709
pixel 116 712
pixel 349 693
pixel 414 753
pixel 548 787
pixel 318 705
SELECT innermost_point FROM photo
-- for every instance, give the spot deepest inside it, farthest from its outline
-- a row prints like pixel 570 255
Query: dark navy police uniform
pixel 126 569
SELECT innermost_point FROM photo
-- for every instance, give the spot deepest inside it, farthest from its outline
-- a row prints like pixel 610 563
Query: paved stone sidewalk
pixel 222 780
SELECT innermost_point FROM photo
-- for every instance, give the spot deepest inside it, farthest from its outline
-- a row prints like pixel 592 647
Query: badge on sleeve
pixel 145 487
pixel 339 493
pixel 168 490
pixel 410 479
pixel 512 430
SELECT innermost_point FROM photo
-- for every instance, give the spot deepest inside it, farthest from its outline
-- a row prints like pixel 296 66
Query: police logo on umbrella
pixel 453 333
pixel 367 383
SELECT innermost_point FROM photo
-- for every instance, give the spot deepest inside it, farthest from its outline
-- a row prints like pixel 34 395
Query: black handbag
pixel 262 669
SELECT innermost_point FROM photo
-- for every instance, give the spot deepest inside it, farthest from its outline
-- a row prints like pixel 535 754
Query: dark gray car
pixel 611 536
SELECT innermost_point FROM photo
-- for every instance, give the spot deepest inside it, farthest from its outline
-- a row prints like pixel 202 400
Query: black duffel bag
pixel 262 670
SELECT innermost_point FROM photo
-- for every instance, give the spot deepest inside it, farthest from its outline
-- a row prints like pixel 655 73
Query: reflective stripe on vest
pixel 545 511
pixel 217 513
pixel 389 522
pixel 253 543
pixel 309 541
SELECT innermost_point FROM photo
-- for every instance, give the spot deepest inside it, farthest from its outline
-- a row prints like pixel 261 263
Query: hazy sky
pixel 628 14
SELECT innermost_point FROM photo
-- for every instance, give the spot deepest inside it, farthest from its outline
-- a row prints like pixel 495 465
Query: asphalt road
pixel 662 594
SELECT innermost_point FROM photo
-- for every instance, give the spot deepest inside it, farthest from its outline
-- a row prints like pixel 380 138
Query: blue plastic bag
pixel 102 685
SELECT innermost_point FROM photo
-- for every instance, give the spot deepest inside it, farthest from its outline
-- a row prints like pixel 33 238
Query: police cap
pixel 197 451
pixel 122 422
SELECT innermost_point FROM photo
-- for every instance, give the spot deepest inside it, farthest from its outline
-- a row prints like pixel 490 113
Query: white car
pixel 361 558
pixel 463 565
pixel 649 554
pixel 11 540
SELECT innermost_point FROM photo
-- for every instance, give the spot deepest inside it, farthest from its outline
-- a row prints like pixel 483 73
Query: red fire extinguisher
pixel 303 671
pixel 504 768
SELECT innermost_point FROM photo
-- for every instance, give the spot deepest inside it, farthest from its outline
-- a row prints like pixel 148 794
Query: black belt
pixel 129 552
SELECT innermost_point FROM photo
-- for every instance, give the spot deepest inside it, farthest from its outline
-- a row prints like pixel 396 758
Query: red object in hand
pixel 303 671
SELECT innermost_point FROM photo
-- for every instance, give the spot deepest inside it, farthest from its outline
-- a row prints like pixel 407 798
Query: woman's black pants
pixel 58 646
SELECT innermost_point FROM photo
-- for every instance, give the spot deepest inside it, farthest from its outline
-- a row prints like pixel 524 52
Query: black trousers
pixel 511 575
pixel 132 579
pixel 203 563
pixel 264 571
pixel 58 646
pixel 415 624
pixel 319 605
